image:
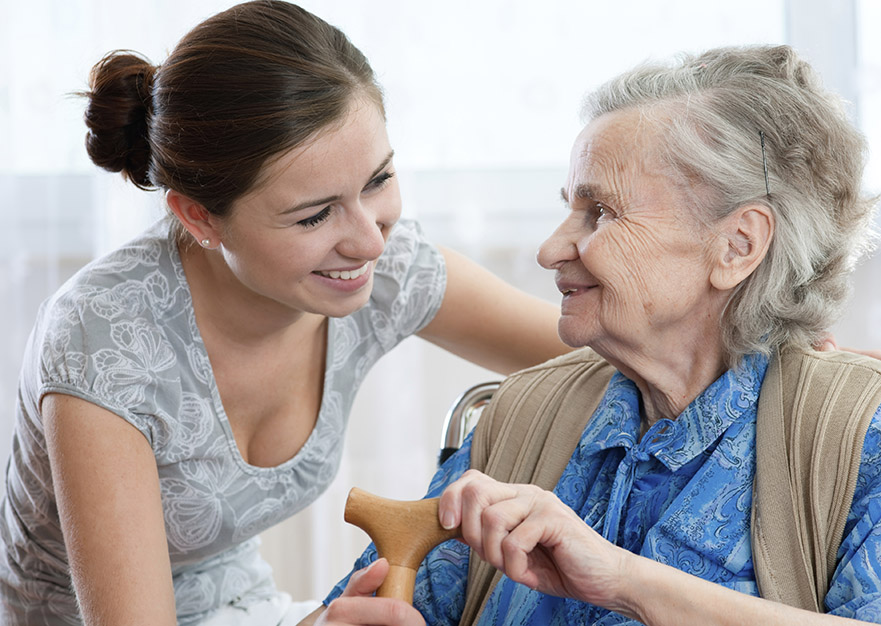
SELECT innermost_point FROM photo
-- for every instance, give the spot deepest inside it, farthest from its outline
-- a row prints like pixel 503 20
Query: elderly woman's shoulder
pixel 831 360
pixel 826 386
pixel 580 358
pixel 533 414
pixel 582 368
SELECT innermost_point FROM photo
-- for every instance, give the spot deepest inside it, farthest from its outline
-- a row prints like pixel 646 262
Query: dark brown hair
pixel 243 86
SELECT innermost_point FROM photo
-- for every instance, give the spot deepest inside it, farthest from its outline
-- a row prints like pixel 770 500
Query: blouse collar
pixel 730 398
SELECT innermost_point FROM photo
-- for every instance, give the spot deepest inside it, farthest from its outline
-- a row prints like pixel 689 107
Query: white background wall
pixel 483 102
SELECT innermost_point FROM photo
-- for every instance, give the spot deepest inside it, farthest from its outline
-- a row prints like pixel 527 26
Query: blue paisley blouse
pixel 681 495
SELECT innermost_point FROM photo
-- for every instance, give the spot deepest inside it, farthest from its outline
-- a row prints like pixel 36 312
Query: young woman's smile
pixel 348 279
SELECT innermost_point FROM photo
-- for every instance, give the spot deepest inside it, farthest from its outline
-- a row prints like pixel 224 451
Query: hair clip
pixel 765 163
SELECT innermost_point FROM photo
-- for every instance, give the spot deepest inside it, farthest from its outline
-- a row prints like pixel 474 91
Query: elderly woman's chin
pixel 575 332
pixel 579 321
pixel 586 331
pixel 607 329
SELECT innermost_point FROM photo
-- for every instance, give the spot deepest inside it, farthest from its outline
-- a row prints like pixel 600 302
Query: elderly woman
pixel 714 215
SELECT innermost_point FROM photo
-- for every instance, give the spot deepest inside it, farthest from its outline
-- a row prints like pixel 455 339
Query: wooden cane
pixel 403 532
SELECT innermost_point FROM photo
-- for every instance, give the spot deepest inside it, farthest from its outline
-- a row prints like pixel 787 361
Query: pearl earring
pixel 206 242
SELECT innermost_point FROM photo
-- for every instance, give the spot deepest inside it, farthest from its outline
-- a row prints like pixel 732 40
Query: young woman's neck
pixel 228 309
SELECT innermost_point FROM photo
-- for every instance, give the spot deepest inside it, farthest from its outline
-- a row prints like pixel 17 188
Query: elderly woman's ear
pixel 742 242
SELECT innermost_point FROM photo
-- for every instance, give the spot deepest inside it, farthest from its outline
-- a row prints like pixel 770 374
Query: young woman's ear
pixel 195 219
pixel 745 238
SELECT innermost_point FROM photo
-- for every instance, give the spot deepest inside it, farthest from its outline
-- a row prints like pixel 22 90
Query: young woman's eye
pixel 380 181
pixel 316 219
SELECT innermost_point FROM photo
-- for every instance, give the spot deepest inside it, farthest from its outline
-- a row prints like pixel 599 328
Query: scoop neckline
pixel 219 410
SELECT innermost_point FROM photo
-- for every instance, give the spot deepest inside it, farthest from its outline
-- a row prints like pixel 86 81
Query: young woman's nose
pixel 367 231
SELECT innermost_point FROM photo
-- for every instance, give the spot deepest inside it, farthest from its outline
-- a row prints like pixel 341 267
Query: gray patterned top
pixel 122 334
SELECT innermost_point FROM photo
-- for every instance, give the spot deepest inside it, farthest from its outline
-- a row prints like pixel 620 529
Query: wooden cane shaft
pixel 399 583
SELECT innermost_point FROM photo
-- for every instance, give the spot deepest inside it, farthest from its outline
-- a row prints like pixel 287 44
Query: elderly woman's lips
pixel 570 291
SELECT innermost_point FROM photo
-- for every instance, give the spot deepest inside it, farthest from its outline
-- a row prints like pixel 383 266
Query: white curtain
pixel 483 102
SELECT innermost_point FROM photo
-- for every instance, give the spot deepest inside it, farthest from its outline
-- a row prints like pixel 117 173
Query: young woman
pixel 191 389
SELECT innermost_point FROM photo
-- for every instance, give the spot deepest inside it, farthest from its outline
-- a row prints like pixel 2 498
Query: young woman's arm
pixel 107 488
pixel 487 321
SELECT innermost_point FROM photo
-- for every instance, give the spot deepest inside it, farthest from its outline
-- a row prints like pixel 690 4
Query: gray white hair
pixel 712 113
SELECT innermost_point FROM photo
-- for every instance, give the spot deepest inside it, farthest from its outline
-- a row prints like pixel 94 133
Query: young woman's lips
pixel 346 279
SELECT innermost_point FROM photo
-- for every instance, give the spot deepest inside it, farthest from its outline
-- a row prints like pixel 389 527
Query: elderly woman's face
pixel 630 258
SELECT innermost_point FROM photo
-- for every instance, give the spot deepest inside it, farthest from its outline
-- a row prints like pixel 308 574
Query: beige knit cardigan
pixel 814 410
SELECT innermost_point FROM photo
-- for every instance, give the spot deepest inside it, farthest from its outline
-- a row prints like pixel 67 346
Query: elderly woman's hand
pixel 538 541
pixel 535 539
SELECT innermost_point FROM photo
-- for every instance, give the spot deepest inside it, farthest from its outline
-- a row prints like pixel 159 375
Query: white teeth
pixel 347 274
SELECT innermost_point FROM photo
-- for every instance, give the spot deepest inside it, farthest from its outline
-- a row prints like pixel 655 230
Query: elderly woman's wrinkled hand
pixel 358 606
pixel 535 539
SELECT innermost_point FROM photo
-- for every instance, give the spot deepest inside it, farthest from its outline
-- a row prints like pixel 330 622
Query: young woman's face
pixel 308 236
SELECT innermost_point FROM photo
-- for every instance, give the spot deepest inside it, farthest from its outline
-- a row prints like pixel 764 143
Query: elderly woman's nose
pixel 557 248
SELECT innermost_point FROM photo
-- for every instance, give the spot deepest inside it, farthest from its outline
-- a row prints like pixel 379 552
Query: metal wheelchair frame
pixel 463 416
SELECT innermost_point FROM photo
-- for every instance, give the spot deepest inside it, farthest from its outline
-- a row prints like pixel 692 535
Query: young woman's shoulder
pixel 105 334
pixel 135 279
pixel 409 281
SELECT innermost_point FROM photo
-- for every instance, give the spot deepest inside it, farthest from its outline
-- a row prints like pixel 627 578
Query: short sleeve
pixel 408 286
pixel 855 589
pixel 98 340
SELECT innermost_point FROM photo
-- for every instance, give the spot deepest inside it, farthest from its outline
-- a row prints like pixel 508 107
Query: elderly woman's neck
pixel 670 380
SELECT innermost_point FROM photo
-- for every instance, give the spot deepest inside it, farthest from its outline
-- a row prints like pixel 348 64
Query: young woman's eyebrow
pixel 331 199
pixel 382 165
